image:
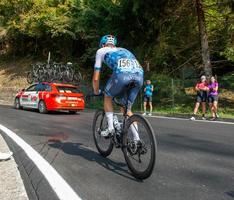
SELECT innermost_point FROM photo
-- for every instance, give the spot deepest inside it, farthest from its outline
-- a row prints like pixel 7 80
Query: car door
pixel 34 95
pixel 24 99
pixel 38 94
pixel 29 96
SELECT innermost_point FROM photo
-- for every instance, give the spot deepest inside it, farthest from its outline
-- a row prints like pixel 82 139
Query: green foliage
pixel 163 32
pixel 220 20
pixel 227 81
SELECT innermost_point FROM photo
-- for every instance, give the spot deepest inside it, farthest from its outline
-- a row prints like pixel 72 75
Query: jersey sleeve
pixel 98 61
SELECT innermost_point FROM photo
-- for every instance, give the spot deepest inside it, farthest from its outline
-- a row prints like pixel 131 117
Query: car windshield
pixel 65 89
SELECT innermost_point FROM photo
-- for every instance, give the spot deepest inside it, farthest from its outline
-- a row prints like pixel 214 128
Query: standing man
pixel 148 93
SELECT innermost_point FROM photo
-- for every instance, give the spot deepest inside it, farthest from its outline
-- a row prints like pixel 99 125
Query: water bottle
pixel 116 123
pixel 117 126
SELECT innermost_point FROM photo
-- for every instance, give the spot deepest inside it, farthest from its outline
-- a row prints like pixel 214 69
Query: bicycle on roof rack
pixel 53 72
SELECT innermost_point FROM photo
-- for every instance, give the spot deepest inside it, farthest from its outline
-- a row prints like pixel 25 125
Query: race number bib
pixel 126 63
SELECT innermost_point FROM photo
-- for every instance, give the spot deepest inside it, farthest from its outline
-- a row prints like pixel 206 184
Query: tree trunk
pixel 204 39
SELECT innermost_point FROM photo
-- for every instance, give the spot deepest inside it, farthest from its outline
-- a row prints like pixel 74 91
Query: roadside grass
pixel 184 105
pixel 188 110
pixel 184 110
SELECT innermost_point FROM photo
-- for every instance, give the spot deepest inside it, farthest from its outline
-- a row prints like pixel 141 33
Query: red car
pixel 50 97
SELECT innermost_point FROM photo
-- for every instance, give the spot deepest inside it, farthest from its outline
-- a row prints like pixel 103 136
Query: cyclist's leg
pixel 113 87
pixel 130 100
pixel 108 107
pixel 134 126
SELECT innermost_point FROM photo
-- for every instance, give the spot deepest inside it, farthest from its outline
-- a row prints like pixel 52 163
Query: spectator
pixel 201 88
pixel 213 97
pixel 5 156
pixel 148 93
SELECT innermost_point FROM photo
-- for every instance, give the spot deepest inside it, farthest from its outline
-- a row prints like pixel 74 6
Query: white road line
pixel 183 119
pixel 58 184
pixel 186 119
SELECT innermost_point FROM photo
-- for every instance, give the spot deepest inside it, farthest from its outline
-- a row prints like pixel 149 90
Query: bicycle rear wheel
pixel 77 77
pixel 104 144
pixel 30 77
pixel 140 157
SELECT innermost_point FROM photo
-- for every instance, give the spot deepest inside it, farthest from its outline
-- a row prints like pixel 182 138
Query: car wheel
pixel 17 104
pixel 42 107
pixel 72 111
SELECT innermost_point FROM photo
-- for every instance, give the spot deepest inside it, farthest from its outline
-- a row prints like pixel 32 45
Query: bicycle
pixel 34 75
pixel 123 138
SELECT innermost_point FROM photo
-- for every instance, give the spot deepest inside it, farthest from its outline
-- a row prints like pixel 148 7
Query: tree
pixel 204 38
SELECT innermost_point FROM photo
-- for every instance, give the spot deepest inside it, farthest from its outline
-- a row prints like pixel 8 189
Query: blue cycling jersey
pixel 118 59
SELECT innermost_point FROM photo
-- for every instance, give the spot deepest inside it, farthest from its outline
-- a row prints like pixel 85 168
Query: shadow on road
pixel 79 149
pixel 187 143
pixel 231 194
pixel 32 110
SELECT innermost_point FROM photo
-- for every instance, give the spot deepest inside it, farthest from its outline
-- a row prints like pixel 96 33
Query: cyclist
pixel 126 69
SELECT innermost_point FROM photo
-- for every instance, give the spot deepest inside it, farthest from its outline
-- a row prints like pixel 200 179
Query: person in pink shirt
pixel 213 97
pixel 201 88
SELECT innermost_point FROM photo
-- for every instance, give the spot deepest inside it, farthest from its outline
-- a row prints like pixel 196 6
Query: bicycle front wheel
pixel 140 156
pixel 104 144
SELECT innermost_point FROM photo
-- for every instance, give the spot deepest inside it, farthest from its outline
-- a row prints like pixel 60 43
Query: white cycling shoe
pixel 5 156
pixel 107 132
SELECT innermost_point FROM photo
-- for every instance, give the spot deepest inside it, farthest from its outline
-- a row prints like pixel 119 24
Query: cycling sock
pixel 109 116
pixel 134 130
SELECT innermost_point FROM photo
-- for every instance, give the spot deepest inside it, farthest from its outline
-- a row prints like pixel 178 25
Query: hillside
pixel 12 78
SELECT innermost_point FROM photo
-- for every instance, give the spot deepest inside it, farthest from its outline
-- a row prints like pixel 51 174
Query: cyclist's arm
pixel 96 74
pixel 96 78
pixel 152 88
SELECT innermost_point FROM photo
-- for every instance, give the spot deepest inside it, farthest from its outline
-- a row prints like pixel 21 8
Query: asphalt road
pixel 195 160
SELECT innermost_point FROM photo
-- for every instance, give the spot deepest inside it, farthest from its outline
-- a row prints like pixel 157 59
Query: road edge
pixel 12 185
